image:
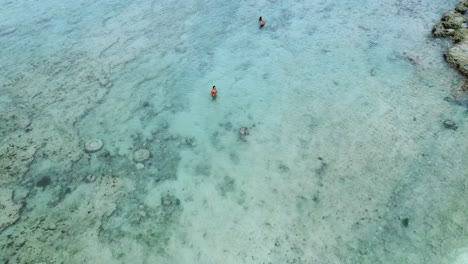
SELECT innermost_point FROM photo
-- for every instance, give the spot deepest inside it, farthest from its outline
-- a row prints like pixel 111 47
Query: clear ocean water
pixel 346 160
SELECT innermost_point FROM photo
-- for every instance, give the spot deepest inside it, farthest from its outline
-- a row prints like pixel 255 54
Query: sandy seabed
pixel 347 159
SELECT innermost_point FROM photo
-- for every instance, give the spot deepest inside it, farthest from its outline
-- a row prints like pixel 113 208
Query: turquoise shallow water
pixel 346 161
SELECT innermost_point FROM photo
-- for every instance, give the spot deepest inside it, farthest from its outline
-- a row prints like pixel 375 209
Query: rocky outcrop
pixel 440 31
pixel 453 20
pixel 457 55
pixel 462 7
pixel 454 23
pixel 460 35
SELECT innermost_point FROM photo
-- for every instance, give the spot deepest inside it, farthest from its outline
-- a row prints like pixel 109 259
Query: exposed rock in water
pixel 440 31
pixel 141 155
pixel 94 145
pixel 453 20
pixel 462 7
pixel 460 35
pixel 449 124
pixel 454 23
pixel 457 55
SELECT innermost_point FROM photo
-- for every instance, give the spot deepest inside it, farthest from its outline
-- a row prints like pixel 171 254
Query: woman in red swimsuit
pixel 214 92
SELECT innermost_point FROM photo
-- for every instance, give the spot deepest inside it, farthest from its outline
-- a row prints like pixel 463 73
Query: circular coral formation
pixel 94 145
pixel 141 155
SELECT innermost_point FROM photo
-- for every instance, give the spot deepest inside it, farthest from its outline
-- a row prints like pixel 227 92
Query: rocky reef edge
pixel 454 25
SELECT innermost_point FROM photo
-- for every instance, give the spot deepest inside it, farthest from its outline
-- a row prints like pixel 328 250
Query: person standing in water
pixel 214 92
pixel 261 22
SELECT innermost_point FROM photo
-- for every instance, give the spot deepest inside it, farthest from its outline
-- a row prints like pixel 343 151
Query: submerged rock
pixel 94 145
pixel 243 133
pixel 449 124
pixel 412 58
pixel 405 222
pixel 140 166
pixel 90 178
pixel 51 226
pixel 169 200
pixel 141 155
pixel 44 182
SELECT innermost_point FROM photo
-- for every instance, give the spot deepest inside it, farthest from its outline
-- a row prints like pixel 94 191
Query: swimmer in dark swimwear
pixel 261 22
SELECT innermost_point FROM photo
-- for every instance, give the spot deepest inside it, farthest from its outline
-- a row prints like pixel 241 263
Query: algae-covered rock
pixel 440 31
pixel 460 35
pixel 462 7
pixel 453 23
pixel 457 55
pixel 453 20
pixel 9 211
